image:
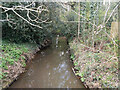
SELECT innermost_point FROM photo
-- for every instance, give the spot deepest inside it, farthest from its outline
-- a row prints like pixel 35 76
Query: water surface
pixel 51 68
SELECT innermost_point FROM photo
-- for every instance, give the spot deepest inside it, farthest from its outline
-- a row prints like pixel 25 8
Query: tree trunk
pixel 78 20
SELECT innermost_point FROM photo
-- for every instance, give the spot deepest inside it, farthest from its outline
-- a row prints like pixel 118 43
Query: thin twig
pixel 26 20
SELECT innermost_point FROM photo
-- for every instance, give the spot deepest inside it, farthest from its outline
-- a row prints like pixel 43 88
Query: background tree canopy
pixel 37 21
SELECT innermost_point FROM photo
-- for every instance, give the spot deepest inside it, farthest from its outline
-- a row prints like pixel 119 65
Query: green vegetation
pixel 99 68
pixel 95 55
pixel 13 59
pixel 90 28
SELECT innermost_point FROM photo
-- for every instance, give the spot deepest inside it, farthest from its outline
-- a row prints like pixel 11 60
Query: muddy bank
pixel 14 71
pixel 74 70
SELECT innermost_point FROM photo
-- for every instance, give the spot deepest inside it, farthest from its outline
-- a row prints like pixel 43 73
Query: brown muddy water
pixel 51 68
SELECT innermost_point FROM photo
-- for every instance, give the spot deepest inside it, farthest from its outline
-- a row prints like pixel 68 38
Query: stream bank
pixel 15 58
pixel 95 69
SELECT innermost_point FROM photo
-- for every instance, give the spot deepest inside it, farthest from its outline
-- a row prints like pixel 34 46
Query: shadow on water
pixel 51 68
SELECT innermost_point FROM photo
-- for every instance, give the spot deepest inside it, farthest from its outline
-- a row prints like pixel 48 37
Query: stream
pixel 51 68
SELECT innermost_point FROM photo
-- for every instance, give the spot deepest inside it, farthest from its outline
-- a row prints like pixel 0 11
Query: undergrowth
pixel 12 57
pixel 96 69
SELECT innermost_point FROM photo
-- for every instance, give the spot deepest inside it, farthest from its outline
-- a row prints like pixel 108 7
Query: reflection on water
pixel 51 68
pixel 57 41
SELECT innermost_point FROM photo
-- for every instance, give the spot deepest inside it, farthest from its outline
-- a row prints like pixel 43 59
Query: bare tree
pixel 30 10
